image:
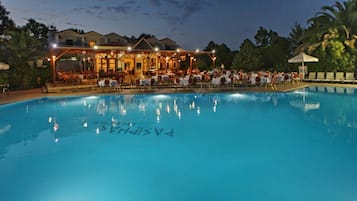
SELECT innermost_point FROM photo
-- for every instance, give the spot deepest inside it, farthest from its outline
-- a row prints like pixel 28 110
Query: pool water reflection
pixel 225 146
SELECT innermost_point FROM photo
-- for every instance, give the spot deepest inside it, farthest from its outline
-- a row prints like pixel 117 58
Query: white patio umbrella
pixel 4 66
pixel 303 58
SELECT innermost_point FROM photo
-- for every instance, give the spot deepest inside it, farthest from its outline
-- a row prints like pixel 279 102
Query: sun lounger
pixel 330 76
pixel 350 78
pixel 339 77
pixel 320 76
pixel 312 76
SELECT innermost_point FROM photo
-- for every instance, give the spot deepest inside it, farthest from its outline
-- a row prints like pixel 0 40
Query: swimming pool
pixel 292 146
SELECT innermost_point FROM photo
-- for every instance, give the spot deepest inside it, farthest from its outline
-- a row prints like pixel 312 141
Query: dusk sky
pixel 192 23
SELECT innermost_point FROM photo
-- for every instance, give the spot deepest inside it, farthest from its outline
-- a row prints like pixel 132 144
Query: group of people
pixel 215 77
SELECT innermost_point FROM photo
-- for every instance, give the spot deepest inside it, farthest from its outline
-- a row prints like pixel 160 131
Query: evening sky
pixel 192 23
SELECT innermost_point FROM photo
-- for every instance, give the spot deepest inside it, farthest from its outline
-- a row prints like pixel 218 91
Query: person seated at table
pixel 184 80
pixel 216 80
pixel 101 83
pixel 113 82
pixel 206 77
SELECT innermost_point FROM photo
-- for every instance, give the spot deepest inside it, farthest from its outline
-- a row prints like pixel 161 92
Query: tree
pixel 332 26
pixel 224 56
pixel 38 33
pixel 22 50
pixel 248 58
pixel 146 36
pixel 262 37
pixel 273 48
pixel 5 22
pixel 295 38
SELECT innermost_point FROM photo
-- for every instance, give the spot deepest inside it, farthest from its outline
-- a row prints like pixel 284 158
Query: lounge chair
pixel 330 76
pixel 312 76
pixel 350 78
pixel 320 76
pixel 339 77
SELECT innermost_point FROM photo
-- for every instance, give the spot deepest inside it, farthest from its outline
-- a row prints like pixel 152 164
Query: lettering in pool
pixel 130 128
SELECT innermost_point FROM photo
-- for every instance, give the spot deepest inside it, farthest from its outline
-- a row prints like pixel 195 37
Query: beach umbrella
pixel 4 66
pixel 303 58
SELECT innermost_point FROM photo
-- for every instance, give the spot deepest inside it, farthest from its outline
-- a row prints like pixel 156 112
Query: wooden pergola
pixel 117 53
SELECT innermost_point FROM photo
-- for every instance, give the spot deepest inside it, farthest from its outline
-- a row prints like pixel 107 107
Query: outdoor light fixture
pixel 178 50
pixel 213 51
pixel 129 48
pixel 95 47
pixel 156 49
pixel 54 45
pixel 197 50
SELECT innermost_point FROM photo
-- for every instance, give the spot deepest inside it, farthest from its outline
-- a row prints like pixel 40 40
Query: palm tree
pixel 296 38
pixel 337 22
pixel 332 36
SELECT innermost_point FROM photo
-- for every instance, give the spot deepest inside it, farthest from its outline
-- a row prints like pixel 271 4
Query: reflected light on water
pixel 55 126
pixel 179 114
pixel 122 110
pixel 5 129
pixel 91 97
pixel 240 96
pixel 301 92
pixel 168 109
pixel 161 97
pixel 142 107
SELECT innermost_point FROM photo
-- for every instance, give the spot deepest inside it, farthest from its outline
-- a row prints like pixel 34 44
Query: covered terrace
pixel 125 64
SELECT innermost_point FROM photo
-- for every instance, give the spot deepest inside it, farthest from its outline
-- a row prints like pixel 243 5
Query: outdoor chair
pixel 5 89
pixel 312 76
pixel 339 77
pixel 320 76
pixel 350 78
pixel 330 76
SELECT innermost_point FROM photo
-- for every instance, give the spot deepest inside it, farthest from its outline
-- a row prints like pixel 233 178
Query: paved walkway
pixel 15 96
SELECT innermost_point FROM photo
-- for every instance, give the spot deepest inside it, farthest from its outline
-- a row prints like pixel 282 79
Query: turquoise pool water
pixel 226 146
